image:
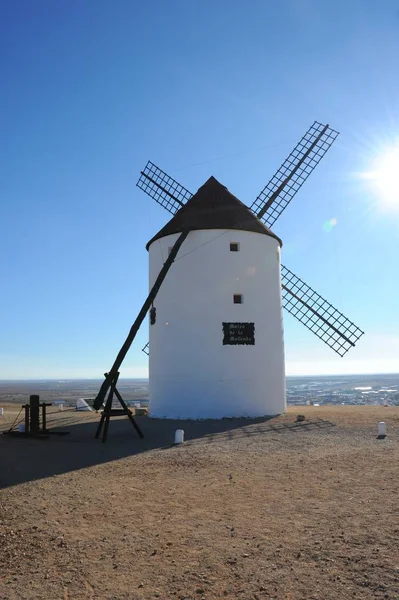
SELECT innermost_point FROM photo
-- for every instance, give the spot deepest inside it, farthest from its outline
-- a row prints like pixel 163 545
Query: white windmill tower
pixel 216 294
pixel 216 338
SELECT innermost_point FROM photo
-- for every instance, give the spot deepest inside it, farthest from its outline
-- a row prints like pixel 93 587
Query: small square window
pixel 234 247
pixel 238 299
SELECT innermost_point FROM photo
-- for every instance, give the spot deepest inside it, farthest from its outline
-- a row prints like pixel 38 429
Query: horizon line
pixel 147 379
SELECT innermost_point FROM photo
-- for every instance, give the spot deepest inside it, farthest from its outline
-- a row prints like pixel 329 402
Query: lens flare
pixel 330 224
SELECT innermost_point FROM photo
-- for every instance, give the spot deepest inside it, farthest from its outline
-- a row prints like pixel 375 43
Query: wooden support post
pixel 34 403
pixel 44 416
pixel 27 418
pixel 109 412
pixel 100 425
pixel 108 408
pixel 104 421
pixel 128 412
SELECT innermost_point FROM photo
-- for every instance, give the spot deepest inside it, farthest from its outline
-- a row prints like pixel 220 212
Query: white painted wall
pixel 191 373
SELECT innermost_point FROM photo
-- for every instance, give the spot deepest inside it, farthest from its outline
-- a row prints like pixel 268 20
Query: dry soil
pixel 248 510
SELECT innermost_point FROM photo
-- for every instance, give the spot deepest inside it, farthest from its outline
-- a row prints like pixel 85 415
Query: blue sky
pixel 91 91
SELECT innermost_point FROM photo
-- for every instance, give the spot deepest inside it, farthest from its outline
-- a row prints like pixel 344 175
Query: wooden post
pixel 104 421
pixel 44 416
pixel 34 402
pixel 100 425
pixel 108 408
pixel 27 418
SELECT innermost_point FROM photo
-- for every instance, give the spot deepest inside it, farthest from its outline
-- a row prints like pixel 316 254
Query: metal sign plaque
pixel 239 334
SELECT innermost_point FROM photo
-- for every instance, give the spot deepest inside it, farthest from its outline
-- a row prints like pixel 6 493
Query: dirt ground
pixel 247 510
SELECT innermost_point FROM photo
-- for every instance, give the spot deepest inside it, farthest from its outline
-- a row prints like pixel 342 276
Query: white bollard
pixel 179 436
pixel 1 411
pixel 382 429
pixel 61 407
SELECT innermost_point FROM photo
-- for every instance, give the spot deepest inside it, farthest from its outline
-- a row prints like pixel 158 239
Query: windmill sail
pixel 162 188
pixel 294 171
pixel 318 315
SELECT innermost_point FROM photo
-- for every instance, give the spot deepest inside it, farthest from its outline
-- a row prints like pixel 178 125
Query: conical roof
pixel 213 207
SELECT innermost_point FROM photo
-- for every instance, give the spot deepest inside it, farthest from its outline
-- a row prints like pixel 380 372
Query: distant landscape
pixel 376 389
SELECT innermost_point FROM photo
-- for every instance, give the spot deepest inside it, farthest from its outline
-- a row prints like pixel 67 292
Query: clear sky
pixel 91 90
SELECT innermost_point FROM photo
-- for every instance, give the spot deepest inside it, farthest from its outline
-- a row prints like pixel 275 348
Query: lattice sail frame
pixel 318 315
pixel 292 174
pixel 163 189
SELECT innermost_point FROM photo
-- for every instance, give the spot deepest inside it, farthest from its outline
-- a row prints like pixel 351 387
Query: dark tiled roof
pixel 213 207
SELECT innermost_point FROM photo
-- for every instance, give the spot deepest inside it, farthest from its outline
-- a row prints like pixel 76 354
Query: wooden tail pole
pixel 99 400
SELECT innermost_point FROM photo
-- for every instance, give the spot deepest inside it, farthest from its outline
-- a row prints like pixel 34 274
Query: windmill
pixel 216 337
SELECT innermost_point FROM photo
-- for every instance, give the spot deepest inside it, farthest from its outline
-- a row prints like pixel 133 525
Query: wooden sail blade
pixel 318 315
pixel 162 188
pixel 292 174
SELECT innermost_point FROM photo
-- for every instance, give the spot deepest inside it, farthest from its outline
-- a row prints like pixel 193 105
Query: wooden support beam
pixel 99 400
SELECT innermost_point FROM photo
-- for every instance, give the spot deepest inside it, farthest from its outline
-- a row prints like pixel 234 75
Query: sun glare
pixel 385 177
